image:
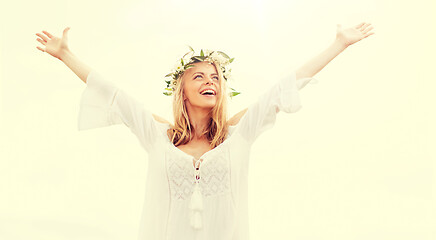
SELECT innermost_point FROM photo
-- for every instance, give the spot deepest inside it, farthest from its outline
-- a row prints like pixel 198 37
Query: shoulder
pixel 160 119
pixel 235 119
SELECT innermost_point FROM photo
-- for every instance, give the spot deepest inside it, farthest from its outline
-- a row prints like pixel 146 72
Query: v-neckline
pixel 186 155
pixel 204 154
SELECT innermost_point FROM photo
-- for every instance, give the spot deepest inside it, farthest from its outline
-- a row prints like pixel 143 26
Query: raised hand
pixel 352 35
pixel 53 45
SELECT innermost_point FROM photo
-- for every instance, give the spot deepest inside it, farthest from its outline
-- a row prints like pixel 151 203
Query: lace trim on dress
pixel 209 177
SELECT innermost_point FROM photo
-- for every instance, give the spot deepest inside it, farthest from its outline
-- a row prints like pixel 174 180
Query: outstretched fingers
pixel 40 49
pixel 369 34
pixel 365 25
pixel 367 30
pixel 42 36
pixel 48 34
pixel 41 41
pixel 359 25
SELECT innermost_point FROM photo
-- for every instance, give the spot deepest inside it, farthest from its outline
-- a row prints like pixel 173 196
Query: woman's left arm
pixel 344 38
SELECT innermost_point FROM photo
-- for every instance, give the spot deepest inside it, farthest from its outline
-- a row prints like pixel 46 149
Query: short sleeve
pixel 104 104
pixel 261 115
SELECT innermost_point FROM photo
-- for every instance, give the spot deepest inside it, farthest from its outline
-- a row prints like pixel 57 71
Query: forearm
pixel 317 63
pixel 78 67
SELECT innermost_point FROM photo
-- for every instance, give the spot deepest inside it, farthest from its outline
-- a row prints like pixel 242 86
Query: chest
pixel 195 148
pixel 212 172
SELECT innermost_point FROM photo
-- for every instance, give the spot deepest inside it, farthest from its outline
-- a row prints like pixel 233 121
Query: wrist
pixel 340 43
pixel 65 54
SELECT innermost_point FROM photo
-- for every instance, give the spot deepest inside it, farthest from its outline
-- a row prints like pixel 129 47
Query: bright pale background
pixel 355 162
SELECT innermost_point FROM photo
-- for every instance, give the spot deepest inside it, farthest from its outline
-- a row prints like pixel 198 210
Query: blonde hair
pixel 217 129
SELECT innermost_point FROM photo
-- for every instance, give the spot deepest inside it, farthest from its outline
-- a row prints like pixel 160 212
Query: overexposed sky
pixel 356 162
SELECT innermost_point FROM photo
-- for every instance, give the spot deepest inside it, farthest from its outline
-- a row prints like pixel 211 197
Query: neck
pixel 199 118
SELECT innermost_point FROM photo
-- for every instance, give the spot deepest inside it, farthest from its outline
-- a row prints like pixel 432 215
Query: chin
pixel 208 101
pixel 209 105
pixel 205 103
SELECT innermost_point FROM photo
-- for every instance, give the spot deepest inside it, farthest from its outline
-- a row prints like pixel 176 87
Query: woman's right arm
pixel 58 48
pixel 102 102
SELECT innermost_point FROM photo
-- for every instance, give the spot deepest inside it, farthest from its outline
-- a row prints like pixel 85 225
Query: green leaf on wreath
pixel 235 93
pixel 225 55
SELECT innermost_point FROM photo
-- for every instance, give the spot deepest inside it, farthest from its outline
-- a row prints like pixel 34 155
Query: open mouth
pixel 208 93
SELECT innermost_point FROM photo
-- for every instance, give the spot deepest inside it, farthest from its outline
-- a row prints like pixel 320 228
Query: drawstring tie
pixel 196 203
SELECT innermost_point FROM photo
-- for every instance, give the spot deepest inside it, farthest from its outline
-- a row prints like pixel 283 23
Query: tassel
pixel 196 206
pixel 196 203
pixel 196 222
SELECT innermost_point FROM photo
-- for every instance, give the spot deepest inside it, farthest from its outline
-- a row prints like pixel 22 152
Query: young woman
pixel 196 184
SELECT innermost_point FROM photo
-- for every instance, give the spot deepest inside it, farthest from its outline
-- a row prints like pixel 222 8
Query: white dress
pixel 176 205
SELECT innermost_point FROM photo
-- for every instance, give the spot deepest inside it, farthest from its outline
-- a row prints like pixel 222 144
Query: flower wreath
pixel 189 58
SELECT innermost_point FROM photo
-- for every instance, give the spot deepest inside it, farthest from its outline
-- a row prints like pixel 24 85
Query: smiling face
pixel 196 79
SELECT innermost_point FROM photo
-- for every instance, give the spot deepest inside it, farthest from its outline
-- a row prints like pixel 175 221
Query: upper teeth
pixel 208 90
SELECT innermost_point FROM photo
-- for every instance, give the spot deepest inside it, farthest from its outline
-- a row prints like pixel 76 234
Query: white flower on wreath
pixel 173 84
pixel 227 72
pixel 228 76
pixel 178 67
pixel 223 61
